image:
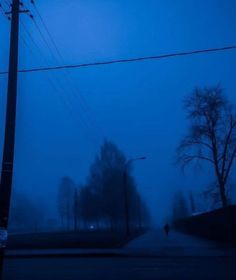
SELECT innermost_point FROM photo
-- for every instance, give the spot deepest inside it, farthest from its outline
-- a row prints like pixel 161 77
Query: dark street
pixel 150 256
pixel 143 268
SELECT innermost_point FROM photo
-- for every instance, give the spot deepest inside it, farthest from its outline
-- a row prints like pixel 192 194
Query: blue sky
pixel 64 116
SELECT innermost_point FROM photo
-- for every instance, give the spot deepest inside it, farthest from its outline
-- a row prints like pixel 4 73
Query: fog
pixel 64 116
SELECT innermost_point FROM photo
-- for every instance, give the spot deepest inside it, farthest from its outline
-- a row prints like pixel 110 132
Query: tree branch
pixel 227 141
pixel 198 142
pixel 188 158
pixel 233 156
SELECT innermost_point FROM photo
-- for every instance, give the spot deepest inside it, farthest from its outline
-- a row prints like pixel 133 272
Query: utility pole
pixel 75 210
pixel 126 203
pixel 126 195
pixel 9 138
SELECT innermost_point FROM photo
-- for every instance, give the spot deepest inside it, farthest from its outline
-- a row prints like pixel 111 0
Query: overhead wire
pixel 3 10
pixel 74 90
pixel 58 88
pixel 58 84
pixel 7 3
pixel 101 63
pixel 59 91
pixel 126 60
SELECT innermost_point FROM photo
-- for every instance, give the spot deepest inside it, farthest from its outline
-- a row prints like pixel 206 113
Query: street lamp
pixel 128 162
pixel 75 209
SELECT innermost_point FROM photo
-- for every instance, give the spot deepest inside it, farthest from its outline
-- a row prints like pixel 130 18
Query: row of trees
pixel 25 215
pixel 100 202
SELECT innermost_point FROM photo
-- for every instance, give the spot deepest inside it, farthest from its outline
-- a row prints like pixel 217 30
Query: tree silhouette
pixel 65 201
pixel 25 215
pixel 212 134
pixel 101 200
pixel 105 181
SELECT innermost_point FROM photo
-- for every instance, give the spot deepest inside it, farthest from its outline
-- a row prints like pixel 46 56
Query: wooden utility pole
pixel 9 138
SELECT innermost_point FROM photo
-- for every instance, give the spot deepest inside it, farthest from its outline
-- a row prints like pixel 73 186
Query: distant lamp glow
pixel 91 227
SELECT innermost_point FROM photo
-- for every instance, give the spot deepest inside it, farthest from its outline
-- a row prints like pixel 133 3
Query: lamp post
pixel 75 210
pixel 126 196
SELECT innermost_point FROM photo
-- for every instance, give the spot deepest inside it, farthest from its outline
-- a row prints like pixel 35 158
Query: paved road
pixel 156 243
pixel 153 243
pixel 152 256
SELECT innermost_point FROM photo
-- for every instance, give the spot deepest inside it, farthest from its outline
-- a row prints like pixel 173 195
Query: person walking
pixel 167 229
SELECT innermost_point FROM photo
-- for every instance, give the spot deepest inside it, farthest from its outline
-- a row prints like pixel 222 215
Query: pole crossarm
pixel 20 11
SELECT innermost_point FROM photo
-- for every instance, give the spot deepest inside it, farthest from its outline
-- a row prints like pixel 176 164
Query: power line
pixel 7 3
pixel 4 11
pixel 59 88
pixel 59 58
pixel 128 60
pixel 59 82
pixel 47 30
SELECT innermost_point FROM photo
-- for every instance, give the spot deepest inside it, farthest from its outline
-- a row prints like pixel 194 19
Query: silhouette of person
pixel 167 229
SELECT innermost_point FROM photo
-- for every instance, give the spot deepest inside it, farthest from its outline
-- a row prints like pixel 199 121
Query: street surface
pixel 155 243
pixel 151 256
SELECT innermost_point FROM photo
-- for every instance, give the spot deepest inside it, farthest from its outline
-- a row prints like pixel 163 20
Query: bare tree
pixel 212 134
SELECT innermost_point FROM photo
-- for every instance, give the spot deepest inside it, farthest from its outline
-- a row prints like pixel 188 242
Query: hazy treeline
pixel 97 204
pixel 25 214
pixel 100 202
